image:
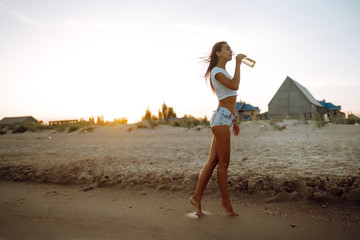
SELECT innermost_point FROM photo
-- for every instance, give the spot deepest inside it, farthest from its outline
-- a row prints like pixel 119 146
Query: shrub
pixel 152 124
pixel 20 129
pixel 43 127
pixel 122 120
pixel 92 120
pixel 141 125
pixel 87 129
pixel 147 115
pixel 286 116
pixel 319 121
pixel 72 129
pixel 31 128
pixel 90 129
pixel 175 124
pixel 60 129
pixel 186 121
pixel 2 132
pixel 278 127
pixel 100 120
pixel 167 112
pixel 301 121
pixel 274 120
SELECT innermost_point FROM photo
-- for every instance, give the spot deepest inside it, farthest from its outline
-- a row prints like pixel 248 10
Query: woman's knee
pixel 224 158
pixel 212 162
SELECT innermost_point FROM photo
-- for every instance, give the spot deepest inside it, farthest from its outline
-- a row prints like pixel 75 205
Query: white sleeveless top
pixel 220 90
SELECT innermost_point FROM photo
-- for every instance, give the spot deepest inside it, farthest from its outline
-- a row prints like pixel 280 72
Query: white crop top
pixel 220 90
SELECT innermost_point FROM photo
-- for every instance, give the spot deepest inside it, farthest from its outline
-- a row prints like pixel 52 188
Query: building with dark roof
pixel 19 120
pixel 246 111
pixel 333 109
pixel 329 105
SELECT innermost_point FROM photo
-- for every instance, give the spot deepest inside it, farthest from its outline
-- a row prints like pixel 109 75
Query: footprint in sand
pixel 51 193
pixel 194 215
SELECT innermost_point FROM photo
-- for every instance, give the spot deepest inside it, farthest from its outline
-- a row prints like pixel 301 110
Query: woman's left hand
pixel 236 129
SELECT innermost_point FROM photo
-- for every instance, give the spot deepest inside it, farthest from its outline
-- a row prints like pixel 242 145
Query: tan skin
pixel 220 146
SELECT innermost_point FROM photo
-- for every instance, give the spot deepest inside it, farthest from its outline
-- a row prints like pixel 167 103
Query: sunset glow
pixel 66 59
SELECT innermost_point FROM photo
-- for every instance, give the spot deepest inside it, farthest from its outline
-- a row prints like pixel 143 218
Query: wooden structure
pixel 58 122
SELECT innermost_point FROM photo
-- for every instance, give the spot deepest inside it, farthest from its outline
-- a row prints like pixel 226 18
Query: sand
pixel 299 162
pixel 302 168
pixel 47 211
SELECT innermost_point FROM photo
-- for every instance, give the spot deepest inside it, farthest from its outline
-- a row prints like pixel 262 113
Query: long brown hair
pixel 212 60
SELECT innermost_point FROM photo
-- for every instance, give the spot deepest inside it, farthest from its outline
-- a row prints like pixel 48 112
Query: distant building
pixel 353 116
pixel 246 111
pixel 58 122
pixel 334 110
pixel 295 101
pixel 353 119
pixel 19 120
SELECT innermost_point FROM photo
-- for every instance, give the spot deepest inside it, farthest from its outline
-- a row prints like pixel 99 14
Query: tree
pixel 147 115
pixel 160 115
pixel 91 120
pixel 122 120
pixel 166 112
pixel 171 113
pixel 100 120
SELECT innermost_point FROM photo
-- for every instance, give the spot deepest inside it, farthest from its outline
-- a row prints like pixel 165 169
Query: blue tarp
pixel 245 107
pixel 329 105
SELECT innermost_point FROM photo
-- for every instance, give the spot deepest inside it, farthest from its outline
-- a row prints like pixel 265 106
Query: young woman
pixel 225 87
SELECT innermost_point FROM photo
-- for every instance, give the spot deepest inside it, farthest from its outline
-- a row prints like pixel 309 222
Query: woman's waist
pixel 229 103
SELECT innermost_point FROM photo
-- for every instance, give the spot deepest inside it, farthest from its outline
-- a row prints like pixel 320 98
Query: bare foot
pixel 228 209
pixel 197 205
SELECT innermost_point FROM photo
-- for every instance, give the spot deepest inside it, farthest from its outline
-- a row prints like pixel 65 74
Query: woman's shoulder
pixel 217 70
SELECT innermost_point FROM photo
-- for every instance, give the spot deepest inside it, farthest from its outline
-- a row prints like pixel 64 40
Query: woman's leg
pixel 222 140
pixel 204 178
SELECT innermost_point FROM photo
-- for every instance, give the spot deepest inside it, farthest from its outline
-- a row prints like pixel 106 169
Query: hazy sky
pixel 62 59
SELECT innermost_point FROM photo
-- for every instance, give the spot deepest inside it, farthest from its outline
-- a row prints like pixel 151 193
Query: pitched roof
pixel 239 105
pixel 304 91
pixel 329 105
pixel 353 116
pixel 10 120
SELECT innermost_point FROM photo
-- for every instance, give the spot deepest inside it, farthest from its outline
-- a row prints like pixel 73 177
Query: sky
pixel 66 59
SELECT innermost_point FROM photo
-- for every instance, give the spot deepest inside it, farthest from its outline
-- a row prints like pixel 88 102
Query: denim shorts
pixel 222 116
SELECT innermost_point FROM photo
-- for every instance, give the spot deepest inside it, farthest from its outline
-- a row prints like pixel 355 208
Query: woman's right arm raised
pixel 233 83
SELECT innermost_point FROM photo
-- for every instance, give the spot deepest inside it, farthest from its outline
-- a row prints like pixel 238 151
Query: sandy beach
pixel 47 211
pixel 300 181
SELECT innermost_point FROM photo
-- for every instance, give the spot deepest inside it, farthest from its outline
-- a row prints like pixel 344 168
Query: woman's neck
pixel 221 63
